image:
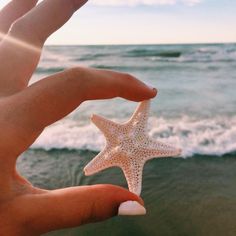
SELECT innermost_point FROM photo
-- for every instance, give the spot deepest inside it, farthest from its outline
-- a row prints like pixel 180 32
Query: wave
pixel 91 56
pixel 47 70
pixel 112 67
pixel 190 53
pixel 196 137
pixel 128 68
pixel 174 53
pixel 151 53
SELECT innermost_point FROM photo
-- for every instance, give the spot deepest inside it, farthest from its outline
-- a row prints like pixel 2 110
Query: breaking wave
pixel 196 137
pixel 152 53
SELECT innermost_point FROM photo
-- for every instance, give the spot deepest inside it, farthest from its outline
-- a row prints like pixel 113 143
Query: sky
pixel 149 22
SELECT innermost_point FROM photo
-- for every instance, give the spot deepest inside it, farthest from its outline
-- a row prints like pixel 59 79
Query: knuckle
pixel 74 73
pixel 78 77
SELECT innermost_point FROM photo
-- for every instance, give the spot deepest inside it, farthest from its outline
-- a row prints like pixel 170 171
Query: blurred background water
pixel 195 110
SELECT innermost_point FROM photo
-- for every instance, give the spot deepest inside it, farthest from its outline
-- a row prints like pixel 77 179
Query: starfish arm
pixel 129 147
pixel 133 173
pixel 107 127
pixel 154 149
pixel 139 119
pixel 101 162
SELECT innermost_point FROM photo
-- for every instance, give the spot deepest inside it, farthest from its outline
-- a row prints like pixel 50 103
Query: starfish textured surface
pixel 128 146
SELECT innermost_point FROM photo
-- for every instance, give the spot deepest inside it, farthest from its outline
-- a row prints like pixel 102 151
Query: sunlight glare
pixel 18 42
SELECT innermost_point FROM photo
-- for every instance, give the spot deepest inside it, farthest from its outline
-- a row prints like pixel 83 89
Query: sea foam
pixel 204 137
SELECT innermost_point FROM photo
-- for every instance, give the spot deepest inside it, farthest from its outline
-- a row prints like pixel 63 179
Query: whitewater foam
pixel 205 137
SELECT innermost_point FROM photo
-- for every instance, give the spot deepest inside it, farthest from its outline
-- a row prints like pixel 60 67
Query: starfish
pixel 128 146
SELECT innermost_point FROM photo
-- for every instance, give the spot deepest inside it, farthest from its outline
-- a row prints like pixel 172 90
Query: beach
pixel 195 110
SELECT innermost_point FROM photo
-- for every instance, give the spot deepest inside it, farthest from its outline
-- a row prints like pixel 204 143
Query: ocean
pixel 195 110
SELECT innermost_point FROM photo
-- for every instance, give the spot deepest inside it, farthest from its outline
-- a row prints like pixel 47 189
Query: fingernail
pixel 131 208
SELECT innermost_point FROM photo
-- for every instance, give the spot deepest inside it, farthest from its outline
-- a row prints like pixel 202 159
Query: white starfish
pixel 128 146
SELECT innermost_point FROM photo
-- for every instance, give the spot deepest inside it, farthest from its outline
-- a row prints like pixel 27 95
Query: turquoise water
pixel 194 110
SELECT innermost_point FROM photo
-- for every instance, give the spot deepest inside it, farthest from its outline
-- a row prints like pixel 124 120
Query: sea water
pixel 194 110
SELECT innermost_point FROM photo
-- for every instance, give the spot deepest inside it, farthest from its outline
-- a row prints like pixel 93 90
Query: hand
pixel 26 111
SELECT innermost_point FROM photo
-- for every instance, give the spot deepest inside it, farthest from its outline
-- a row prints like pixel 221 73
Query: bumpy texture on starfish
pixel 128 146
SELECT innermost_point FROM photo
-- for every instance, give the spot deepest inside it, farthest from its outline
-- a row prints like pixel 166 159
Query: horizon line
pixel 141 44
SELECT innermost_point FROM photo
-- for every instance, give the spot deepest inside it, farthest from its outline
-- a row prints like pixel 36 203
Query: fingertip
pixel 126 195
pixel 129 203
pixel 149 86
pixel 119 194
pixel 131 208
pixel 109 200
pixel 154 92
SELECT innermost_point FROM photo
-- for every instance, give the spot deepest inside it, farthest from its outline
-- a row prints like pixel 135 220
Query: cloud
pixel 143 2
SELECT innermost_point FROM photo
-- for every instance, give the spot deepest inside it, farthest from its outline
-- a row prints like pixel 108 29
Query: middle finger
pixel 22 48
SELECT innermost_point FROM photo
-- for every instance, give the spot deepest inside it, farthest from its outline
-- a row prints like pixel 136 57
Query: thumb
pixel 75 206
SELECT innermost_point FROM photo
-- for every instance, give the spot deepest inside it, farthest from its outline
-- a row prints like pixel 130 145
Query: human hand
pixel 26 111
